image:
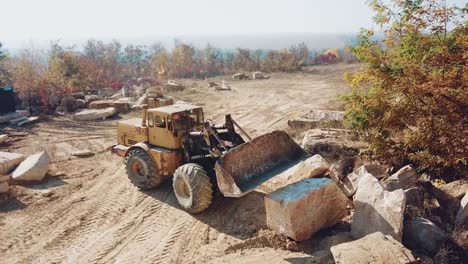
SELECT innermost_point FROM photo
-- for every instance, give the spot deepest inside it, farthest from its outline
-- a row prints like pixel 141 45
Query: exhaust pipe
pixel 144 113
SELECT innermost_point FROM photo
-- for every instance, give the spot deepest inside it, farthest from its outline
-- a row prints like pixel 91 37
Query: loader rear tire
pixel 192 188
pixel 141 170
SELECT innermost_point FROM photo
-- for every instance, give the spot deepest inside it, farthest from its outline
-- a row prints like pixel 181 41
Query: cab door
pixel 160 133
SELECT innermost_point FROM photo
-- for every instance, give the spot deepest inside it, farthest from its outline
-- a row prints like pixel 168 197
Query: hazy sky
pixel 25 20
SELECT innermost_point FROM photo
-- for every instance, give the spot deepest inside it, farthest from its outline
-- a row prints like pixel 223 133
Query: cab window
pixel 150 120
pixel 169 123
pixel 160 121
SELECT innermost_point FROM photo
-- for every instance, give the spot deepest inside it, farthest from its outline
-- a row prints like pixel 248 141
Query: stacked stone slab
pixel 8 161
pixel 301 209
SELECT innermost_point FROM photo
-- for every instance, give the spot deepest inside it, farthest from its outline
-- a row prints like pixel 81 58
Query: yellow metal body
pixel 161 136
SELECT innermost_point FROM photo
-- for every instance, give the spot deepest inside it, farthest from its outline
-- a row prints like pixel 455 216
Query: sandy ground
pixel 88 212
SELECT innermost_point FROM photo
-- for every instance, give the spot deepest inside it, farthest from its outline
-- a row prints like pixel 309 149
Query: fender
pixel 145 147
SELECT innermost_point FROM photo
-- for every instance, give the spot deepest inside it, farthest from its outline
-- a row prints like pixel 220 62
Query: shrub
pixel 410 98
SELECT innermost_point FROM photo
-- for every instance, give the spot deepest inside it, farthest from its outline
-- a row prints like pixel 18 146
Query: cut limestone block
pixel 311 167
pixel 32 168
pixel 301 209
pixel 3 138
pixel 94 114
pixel 373 248
pixel 121 107
pixel 404 178
pixel 377 210
pixel 421 234
pixel 101 104
pixel 462 215
pixel 8 161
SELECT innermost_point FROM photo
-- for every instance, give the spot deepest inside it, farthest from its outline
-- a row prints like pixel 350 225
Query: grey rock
pixel 421 234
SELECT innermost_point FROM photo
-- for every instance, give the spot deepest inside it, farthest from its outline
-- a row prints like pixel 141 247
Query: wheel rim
pixel 182 189
pixel 138 169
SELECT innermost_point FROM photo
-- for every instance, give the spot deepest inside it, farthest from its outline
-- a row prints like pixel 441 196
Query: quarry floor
pixel 88 212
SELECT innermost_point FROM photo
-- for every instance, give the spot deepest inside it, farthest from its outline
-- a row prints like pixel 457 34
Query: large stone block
pixel 373 248
pixel 8 161
pixel 377 210
pixel 33 168
pixel 300 209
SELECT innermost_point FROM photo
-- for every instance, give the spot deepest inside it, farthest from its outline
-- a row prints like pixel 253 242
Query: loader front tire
pixel 192 188
pixel 141 170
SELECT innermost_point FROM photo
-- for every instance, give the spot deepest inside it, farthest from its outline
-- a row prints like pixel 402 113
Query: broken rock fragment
pixel 301 209
pixel 311 167
pixel 404 178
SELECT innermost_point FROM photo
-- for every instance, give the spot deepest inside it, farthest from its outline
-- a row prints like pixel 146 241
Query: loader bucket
pixel 247 166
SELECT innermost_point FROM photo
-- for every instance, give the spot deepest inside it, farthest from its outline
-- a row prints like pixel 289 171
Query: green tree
pixel 411 95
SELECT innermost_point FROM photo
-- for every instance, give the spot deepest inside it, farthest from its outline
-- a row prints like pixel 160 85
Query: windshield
pixel 182 120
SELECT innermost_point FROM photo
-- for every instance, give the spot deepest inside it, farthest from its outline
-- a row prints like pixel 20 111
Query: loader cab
pixel 169 125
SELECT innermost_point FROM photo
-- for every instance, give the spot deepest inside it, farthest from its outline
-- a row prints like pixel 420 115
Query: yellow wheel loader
pixel 176 141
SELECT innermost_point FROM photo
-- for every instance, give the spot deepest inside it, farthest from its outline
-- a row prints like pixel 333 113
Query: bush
pixel 410 98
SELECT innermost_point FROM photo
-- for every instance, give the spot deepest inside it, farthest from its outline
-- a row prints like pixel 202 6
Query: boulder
pixel 423 235
pixel 80 103
pixel 414 197
pixel 377 210
pixel 462 215
pixel 91 98
pixel 373 248
pixel 343 167
pixel 94 114
pixel 258 75
pixel 350 183
pixel 101 104
pixel 240 76
pixel 4 187
pixel 9 161
pixel 33 168
pixel 404 178
pixel 15 115
pixel 311 167
pixel 456 189
pixel 301 209
pixel 3 138
pixel 172 86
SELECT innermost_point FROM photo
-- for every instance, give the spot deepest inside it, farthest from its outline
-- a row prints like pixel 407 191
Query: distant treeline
pixel 61 70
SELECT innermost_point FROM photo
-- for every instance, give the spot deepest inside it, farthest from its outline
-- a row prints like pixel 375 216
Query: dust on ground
pixel 88 212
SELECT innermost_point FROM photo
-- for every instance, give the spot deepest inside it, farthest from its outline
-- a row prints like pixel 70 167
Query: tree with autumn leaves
pixel 410 99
